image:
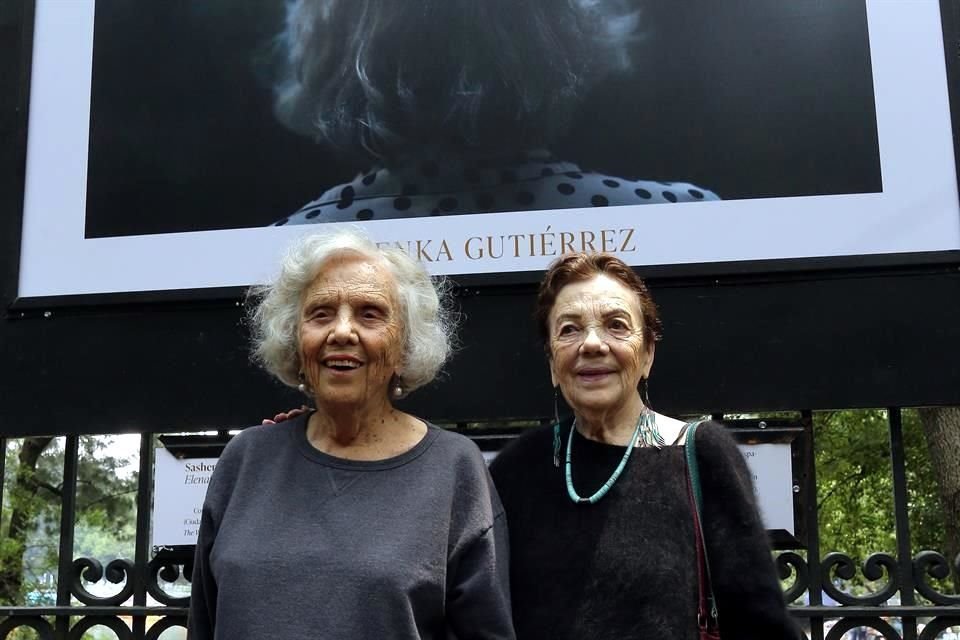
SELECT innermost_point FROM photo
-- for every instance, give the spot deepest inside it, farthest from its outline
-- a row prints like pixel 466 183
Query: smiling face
pixel 598 353
pixel 351 336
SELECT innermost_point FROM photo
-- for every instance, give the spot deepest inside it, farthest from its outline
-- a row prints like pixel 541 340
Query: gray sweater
pixel 297 544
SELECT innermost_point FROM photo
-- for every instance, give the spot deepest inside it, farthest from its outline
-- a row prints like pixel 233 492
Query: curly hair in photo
pixel 386 78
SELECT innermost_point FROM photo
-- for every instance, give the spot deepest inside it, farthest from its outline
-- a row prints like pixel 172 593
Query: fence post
pixel 904 554
pixel 68 512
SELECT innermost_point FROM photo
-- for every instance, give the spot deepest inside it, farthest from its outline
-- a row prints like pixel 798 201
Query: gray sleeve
pixel 202 618
pixel 203 592
pixel 478 593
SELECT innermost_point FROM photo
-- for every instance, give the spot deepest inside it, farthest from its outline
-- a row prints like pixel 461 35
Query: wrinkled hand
pixel 286 415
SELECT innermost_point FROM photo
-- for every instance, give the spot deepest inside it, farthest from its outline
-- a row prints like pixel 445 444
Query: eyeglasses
pixel 613 330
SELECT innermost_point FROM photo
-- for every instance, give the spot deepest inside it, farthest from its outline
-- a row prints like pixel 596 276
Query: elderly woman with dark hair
pixel 354 520
pixel 455 103
pixel 602 531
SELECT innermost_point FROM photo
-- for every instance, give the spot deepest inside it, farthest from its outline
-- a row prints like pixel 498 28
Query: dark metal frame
pixel 195 332
pixel 768 308
pixel 781 431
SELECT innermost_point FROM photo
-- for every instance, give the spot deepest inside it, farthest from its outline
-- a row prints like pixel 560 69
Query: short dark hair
pixel 383 77
pixel 578 267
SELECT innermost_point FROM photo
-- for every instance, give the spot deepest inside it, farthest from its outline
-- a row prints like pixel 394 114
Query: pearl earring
pixel 396 387
pixel 302 387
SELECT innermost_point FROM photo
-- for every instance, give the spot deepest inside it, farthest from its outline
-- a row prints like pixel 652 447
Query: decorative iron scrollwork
pixel 168 572
pixel 791 563
pixel 113 623
pixel 153 633
pixel 874 568
pixel 937 626
pixel 91 570
pixel 930 564
pixel 38 624
pixel 877 624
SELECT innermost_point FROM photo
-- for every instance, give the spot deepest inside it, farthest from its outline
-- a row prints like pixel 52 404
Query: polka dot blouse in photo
pixel 528 182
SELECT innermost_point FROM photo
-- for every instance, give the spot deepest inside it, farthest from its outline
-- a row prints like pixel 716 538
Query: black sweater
pixel 625 567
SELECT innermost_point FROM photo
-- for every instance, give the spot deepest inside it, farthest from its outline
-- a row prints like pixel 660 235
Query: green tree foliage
pixel 30 522
pixel 855 485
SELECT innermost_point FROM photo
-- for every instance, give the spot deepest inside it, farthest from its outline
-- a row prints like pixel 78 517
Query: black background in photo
pixel 748 98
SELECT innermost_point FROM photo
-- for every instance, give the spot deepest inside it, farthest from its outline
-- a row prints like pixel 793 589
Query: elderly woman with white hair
pixel 353 520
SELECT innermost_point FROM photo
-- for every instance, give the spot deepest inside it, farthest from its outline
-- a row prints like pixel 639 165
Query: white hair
pixel 425 306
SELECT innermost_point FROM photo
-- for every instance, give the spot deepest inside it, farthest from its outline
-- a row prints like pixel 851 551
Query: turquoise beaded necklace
pixel 646 431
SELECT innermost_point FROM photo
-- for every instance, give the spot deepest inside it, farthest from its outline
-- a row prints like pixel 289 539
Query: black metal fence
pixel 923 612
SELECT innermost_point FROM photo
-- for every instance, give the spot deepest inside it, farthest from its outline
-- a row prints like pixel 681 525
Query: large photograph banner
pixel 181 146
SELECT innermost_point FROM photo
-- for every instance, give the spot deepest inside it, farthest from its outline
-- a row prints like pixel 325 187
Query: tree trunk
pixel 23 518
pixel 942 428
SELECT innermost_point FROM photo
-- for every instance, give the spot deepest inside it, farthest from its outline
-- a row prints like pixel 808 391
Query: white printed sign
pixel 771 471
pixel 178 492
